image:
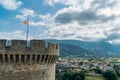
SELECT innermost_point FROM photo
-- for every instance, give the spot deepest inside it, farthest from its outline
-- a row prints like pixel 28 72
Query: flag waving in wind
pixel 25 22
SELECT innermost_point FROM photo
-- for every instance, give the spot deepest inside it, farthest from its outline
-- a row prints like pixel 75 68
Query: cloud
pixel 87 20
pixel 35 19
pixel 50 2
pixel 11 4
pixel 83 3
pixel 24 13
pixel 74 31
pixel 100 18
pixel 115 41
pixel 14 35
pixel 84 17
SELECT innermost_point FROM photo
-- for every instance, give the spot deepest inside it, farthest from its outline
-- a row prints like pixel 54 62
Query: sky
pixel 86 20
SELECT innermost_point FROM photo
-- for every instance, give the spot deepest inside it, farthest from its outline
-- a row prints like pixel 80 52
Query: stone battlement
pixel 32 60
pixel 35 47
pixel 17 51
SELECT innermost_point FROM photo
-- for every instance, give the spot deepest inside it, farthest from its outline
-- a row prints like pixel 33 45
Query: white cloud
pixel 45 17
pixel 10 4
pixel 32 23
pixel 21 17
pixel 82 3
pixel 51 2
pixel 105 7
pixel 76 31
pixel 13 35
pixel 109 8
pixel 106 27
pixel 24 13
pixel 34 18
pixel 116 41
pixel 109 11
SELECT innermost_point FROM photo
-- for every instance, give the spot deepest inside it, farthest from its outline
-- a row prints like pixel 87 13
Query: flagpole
pixel 27 29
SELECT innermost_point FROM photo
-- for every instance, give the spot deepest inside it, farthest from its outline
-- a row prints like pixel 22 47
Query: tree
pixel 65 75
pixel 117 69
pixel 80 63
pixel 98 70
pixel 78 76
pixel 71 75
pixel 110 75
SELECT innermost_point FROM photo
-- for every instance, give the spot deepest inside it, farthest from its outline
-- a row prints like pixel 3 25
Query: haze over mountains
pixel 76 48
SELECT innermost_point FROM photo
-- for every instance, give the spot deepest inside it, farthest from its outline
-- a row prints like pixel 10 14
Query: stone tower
pixel 34 62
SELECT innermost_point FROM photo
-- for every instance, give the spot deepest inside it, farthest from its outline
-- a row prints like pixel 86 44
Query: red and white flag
pixel 26 22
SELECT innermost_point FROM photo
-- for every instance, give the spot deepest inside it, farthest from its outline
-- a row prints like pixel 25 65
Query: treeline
pixel 70 75
pixel 73 75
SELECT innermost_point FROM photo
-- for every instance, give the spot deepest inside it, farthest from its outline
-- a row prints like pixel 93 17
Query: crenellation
pixel 36 46
pixel 37 43
pixel 53 48
pixel 23 42
pixel 42 44
pixel 33 62
pixel 15 42
pixel 18 45
pixel 2 45
pixel 3 42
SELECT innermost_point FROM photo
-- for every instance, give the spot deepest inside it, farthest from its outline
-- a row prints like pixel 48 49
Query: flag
pixel 25 22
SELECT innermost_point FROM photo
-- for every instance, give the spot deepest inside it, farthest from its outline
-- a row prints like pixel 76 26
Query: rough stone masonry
pixel 34 62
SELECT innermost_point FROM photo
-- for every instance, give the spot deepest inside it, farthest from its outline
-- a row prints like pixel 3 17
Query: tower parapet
pixel 2 43
pixel 38 54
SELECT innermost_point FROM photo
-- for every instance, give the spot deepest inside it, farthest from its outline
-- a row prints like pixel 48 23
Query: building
pixel 34 62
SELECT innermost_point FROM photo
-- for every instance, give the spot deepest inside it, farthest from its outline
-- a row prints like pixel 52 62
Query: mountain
pixel 76 47
pixel 72 50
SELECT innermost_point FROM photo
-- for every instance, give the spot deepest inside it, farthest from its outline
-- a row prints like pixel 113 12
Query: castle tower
pixel 34 62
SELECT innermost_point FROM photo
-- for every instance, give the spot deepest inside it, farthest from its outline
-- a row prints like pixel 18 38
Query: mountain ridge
pixel 93 48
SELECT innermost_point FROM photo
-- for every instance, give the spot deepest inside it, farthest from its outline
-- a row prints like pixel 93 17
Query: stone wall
pixel 36 46
pixel 34 62
pixel 27 72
